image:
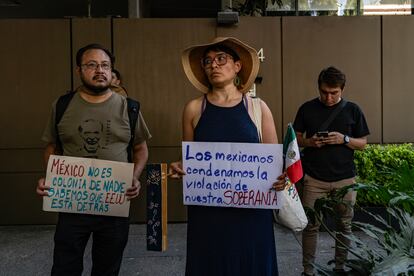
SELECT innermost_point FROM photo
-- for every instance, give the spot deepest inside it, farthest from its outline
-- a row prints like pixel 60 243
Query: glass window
pixel 284 6
pixel 385 7
pixel 328 7
pixel 339 7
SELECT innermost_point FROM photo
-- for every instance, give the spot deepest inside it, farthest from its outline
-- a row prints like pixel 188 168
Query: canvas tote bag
pixel 291 215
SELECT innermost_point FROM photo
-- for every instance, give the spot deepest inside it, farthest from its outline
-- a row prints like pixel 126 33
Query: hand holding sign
pixel 281 183
pixel 133 191
pixel 176 170
pixel 41 188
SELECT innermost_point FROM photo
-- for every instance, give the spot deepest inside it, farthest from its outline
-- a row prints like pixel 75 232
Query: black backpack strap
pixel 133 111
pixel 333 115
pixel 61 106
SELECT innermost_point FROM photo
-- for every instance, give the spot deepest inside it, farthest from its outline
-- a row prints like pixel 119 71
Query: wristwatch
pixel 346 139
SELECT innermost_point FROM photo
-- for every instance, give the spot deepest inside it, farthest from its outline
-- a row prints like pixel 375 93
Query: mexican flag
pixel 293 165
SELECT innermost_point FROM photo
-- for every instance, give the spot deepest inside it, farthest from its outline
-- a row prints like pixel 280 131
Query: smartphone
pixel 324 133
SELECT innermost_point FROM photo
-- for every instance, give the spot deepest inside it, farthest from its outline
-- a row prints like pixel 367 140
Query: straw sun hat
pixel 192 56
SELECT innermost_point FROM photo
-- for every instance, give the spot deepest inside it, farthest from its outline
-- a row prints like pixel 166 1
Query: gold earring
pixel 237 81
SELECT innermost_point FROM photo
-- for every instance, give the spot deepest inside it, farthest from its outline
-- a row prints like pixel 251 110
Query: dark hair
pixel 222 48
pixel 332 77
pixel 82 50
pixel 116 72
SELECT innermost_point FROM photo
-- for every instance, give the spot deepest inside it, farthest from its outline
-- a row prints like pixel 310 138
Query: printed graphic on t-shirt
pixel 92 133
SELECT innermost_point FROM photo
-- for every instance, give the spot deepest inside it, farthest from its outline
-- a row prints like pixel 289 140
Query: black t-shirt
pixel 330 162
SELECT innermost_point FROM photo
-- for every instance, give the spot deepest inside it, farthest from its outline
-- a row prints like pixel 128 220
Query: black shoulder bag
pixel 333 115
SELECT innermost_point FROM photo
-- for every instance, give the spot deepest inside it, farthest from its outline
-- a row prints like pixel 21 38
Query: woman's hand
pixel 281 182
pixel 176 170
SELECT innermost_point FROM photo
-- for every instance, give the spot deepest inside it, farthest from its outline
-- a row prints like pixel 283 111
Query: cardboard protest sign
pixel 88 186
pixel 231 174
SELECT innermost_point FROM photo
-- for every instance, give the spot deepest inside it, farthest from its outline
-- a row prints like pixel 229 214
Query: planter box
pixel 381 211
pixel 364 217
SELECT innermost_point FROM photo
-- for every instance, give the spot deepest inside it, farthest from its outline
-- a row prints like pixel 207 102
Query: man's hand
pixel 334 138
pixel 316 141
pixel 176 170
pixel 41 188
pixel 133 191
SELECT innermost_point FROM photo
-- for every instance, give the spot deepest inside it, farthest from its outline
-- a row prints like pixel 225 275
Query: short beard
pixel 96 90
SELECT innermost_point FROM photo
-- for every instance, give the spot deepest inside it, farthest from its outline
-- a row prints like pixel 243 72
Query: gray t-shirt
pixel 96 130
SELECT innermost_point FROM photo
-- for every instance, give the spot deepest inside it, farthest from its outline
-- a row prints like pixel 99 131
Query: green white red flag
pixel 293 165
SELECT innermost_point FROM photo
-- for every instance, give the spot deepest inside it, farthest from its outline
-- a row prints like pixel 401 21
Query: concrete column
pixel 133 9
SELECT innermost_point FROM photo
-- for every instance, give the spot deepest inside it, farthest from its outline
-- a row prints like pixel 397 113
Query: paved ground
pixel 27 250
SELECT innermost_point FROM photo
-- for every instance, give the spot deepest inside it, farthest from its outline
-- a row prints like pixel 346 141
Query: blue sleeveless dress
pixel 229 241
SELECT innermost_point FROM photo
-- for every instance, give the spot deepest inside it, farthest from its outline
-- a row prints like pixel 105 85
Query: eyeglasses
pixel 94 66
pixel 220 59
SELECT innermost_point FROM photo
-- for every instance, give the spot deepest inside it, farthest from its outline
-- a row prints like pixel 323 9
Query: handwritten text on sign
pixel 87 186
pixel 231 174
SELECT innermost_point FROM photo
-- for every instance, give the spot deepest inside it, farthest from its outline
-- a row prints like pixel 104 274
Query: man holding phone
pixel 329 128
pixel 324 133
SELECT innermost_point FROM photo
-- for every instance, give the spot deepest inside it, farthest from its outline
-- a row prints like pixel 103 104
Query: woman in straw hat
pixel 226 241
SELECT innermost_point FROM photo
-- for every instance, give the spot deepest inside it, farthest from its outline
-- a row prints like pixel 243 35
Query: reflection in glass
pixel 386 7
pixel 340 7
pixel 328 7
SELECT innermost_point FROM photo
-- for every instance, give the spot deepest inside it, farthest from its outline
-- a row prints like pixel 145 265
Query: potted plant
pixel 394 254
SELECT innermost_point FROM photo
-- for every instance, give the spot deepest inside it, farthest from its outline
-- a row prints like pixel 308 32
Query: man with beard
pixel 94 102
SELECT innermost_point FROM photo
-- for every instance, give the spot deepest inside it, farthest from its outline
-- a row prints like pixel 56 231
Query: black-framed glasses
pixel 219 59
pixel 94 66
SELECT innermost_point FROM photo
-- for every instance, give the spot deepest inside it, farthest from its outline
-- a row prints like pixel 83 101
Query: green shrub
pixel 391 166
